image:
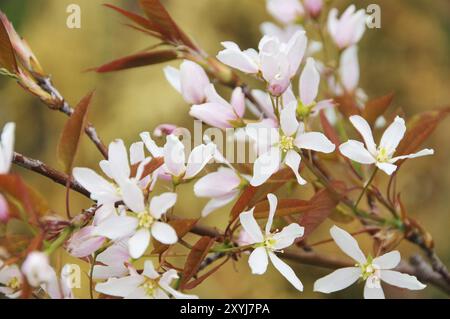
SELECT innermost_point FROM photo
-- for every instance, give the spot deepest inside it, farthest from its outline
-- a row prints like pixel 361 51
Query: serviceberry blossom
pixel 267 244
pixel 114 261
pixel 349 28
pixel 285 11
pixel 371 270
pixel 222 186
pixel 383 154
pixel 283 146
pixel 190 81
pixel 4 209
pixel 313 7
pixel 84 243
pixel 7 147
pixel 142 222
pixel 283 33
pixel 217 112
pixel 37 269
pixel 277 62
pixel 164 130
pixel 11 281
pixel 148 285
pixel 60 288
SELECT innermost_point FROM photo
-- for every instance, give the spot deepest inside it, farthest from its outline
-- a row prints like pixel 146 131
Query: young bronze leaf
pixel 143 22
pixel 419 129
pixel 71 135
pixel 377 107
pixel 170 31
pixel 347 105
pixel 181 226
pixel 285 207
pixel 195 259
pixel 202 278
pixel 138 60
pixel 7 57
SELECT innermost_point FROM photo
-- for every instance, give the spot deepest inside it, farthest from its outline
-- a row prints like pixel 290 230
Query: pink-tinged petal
pixel 159 205
pixel 349 69
pixel 333 22
pixel 273 202
pixel 250 225
pixel 116 227
pixel 234 57
pixel 325 105
pixel 164 233
pixel 83 243
pixel 347 244
pixel 364 129
pixel 288 119
pixel 286 271
pixel 373 292
pixel 174 157
pixel 309 83
pixel 315 141
pixel 425 152
pixel 118 160
pixel 313 7
pixel 106 272
pixel 116 254
pixel 164 129
pixel 388 168
pixel 296 48
pixel 265 166
pixel 258 261
pixel 151 146
pixel 193 82
pixel 120 287
pixel 139 294
pixel 393 135
pixel 138 243
pixel 132 196
pixel 173 77
pixel 217 184
pixel 218 202
pixel 4 209
pixel 356 151
pixel 214 114
pixel 338 280
pixel 199 157
pixel 287 236
pixel 263 135
pixel 263 100
pixel 400 280
pixel 293 160
pixel 388 261
pixel 238 101
pixel 285 11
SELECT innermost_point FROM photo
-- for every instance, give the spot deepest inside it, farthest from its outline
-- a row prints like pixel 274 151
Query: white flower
pixel 284 34
pixel 7 148
pixel 285 11
pixel 10 281
pixel 277 147
pixel 113 262
pixel 148 285
pixel 276 61
pixel 83 243
pixel 61 288
pixel 141 223
pixel 37 269
pixel 381 155
pixel 370 270
pixel 190 81
pixel 349 28
pixel 222 187
pixel 349 69
pixel 268 243
pixel 117 168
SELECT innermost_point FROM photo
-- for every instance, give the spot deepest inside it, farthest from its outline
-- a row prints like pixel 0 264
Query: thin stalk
pixel 366 187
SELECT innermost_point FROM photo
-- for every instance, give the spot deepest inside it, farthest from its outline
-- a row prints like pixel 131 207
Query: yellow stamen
pixel 286 143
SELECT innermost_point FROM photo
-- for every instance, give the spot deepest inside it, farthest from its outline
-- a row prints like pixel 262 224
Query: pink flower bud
pixel 349 28
pixel 4 209
pixel 285 11
pixel 164 129
pixel 313 7
pixel 83 243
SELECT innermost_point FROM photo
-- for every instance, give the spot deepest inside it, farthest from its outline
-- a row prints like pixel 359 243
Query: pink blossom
pixel 349 28
pixel 313 7
pixel 83 243
pixel 4 209
pixel 285 11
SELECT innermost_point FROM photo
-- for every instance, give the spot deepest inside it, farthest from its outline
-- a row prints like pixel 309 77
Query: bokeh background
pixel 408 55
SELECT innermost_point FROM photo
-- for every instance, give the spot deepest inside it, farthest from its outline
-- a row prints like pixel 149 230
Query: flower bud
pixel 313 7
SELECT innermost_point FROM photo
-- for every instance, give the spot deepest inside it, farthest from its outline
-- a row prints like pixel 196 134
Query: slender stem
pixel 91 275
pixel 366 187
pixel 58 242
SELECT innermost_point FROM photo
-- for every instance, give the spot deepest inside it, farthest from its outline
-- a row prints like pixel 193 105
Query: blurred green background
pixel 408 55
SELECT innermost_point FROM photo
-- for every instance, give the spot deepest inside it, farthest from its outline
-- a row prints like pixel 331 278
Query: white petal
pixel 159 205
pixel 137 154
pixel 138 243
pixel 388 261
pixel 366 132
pixel 288 235
pixel 118 160
pixel 193 82
pixel 286 271
pixel 293 160
pixel 7 147
pixel 356 151
pixel 120 287
pixel 309 83
pixel 218 202
pixel 151 146
pixel 174 157
pixel 388 168
pixel 373 293
pixel 337 280
pixel 173 77
pixel 347 244
pixel 273 202
pixel 238 101
pixel 265 166
pixel 138 294
pixel 93 182
pixel 296 48
pixel 424 152
pixel 238 60
pixel 116 227
pixel 349 69
pixel 258 261
pixel 132 196
pixel 393 135
pixel 288 119
pixel 398 279
pixel 315 141
pixel 250 225
pixel 149 270
pixel 217 184
pixel 199 157
pixel 164 233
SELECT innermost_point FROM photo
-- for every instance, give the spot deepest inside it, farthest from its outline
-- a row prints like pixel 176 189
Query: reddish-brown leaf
pixel 347 105
pixel 195 259
pixel 143 22
pixel 71 134
pixel 243 202
pixel 7 57
pixel 329 130
pixel 419 129
pixel 202 278
pixel 181 226
pixel 285 207
pixel 377 107
pixel 164 24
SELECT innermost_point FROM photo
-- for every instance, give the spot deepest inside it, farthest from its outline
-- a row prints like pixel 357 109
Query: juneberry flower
pixel 7 148
pixel 349 28
pixel 313 7
pixel 11 281
pixel 84 243
pixel 113 261
pixel 37 269
pixel 285 11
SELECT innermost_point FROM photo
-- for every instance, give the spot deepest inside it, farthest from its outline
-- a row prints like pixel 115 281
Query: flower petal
pixel 116 227
pixel 293 160
pixel 174 157
pixel 373 293
pixel 120 287
pixel 93 182
pixel 273 202
pixel 424 152
pixel 388 261
pixel 265 166
pixel 159 205
pixel 199 157
pixel 234 57
pixel 349 69
pixel 132 196
pixel 398 279
pixel 288 235
pixel 118 160
pixel 149 270
pixel 347 244
pixel 393 135
pixel 364 129
pixel 250 225
pixel 138 243
pixel 309 83
pixel 217 184
pixel 173 77
pixel 388 168
pixel 356 151
pixel 315 141
pixel 288 119
pixel 164 233
pixel 338 280
pixel 218 202
pixel 286 271
pixel 258 261
pixel 151 146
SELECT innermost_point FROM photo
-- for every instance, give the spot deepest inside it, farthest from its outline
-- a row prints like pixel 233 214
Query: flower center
pixel 303 111
pixel 145 219
pixel 286 143
pixel 370 271
pixel 269 242
pixel 383 155
pixel 14 283
pixel 150 287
